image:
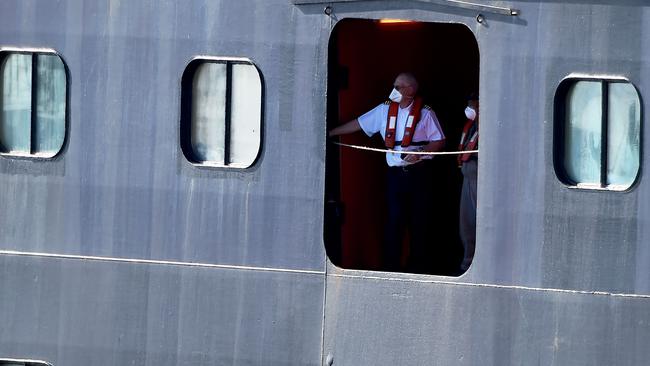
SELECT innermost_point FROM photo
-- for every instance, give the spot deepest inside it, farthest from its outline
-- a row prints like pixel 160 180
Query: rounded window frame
pixel 559 124
pixel 66 120
pixel 187 81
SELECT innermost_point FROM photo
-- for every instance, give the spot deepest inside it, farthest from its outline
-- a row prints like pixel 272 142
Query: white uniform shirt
pixel 428 129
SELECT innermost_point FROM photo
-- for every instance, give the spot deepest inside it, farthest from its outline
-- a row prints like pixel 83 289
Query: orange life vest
pixel 467 142
pixel 411 122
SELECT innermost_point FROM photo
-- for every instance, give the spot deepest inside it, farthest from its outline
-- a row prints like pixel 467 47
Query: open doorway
pixel 365 56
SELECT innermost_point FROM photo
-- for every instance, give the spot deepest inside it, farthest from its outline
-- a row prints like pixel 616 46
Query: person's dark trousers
pixel 408 197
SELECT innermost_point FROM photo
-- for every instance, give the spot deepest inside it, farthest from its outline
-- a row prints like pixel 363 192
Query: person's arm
pixel 432 146
pixel 346 128
pixel 434 134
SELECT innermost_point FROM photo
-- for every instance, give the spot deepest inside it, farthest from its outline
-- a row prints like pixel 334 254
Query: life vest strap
pixel 467 142
pixel 391 125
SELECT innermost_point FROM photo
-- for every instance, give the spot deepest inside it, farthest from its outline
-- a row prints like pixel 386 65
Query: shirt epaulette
pixel 426 107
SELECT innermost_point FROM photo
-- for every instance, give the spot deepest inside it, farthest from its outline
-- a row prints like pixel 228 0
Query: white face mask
pixel 395 96
pixel 470 113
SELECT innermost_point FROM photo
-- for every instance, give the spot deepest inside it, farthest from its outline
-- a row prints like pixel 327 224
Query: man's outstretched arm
pixel 344 129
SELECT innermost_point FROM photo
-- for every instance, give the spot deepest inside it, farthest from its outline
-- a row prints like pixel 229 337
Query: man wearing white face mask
pixel 405 124
pixel 469 167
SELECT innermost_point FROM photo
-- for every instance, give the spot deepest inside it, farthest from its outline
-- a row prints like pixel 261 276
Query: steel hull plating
pixel 119 251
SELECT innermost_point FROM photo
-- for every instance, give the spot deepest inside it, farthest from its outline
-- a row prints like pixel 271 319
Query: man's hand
pixel 412 158
pixel 432 146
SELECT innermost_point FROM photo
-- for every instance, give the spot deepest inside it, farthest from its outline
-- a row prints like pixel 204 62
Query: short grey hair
pixel 410 78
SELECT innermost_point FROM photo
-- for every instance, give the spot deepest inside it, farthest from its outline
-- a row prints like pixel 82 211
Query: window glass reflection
pixel 246 114
pixel 209 112
pixel 623 144
pixel 15 120
pixel 583 129
pixel 51 105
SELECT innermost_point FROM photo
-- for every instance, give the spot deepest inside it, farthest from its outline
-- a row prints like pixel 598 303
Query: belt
pixel 408 168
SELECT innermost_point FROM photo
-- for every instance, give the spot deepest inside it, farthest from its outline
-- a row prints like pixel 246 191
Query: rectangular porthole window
pixel 33 103
pixel 597 133
pixel 221 116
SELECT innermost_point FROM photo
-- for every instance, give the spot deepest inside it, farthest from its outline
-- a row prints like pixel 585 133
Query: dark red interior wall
pixel 367 57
